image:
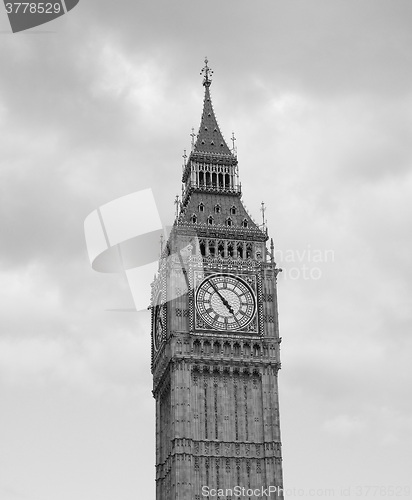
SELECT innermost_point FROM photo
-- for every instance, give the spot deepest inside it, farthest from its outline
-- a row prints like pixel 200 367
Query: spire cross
pixel 207 72
pixel 193 135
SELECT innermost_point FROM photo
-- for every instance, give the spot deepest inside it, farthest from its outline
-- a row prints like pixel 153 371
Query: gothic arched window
pixel 194 219
pixel 233 210
pixel 217 209
pixel 221 249
pixel 248 251
pixel 210 220
pixel 220 177
pixel 244 223
pixel 196 347
pixel 229 222
pixel 201 207
pixel 206 347
pixel 212 248
pixel 227 181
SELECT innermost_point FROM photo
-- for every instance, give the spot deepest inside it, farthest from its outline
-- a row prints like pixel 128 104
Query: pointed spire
pixel 209 147
pixel 209 138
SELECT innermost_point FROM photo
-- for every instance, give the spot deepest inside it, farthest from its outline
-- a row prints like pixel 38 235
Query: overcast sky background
pixel 99 104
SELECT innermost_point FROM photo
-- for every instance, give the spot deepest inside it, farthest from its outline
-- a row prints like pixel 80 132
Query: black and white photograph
pixel 205 240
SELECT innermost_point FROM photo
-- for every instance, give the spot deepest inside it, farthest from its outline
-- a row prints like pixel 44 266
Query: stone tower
pixel 215 336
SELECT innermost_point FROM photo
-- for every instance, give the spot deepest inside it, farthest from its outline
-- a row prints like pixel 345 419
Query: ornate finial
pixel 161 244
pixel 193 135
pixel 272 251
pixel 207 72
pixel 177 203
pixel 233 139
pixel 184 156
pixel 263 210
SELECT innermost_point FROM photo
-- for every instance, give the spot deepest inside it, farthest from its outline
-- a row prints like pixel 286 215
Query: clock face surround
pixel 225 302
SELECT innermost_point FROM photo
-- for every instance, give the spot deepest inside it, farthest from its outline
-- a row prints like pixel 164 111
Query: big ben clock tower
pixel 215 337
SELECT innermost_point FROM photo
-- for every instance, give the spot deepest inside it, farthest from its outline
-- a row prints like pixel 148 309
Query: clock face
pixel 225 302
pixel 158 324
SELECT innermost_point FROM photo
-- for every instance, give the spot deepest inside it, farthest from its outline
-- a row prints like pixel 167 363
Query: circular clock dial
pixel 158 325
pixel 225 302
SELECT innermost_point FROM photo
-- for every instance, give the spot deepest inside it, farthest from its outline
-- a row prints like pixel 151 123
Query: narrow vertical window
pixel 221 250
pixel 220 177
pixel 227 181
pixel 212 248
pixel 248 251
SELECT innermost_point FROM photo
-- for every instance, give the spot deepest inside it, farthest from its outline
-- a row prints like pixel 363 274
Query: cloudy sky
pixel 99 104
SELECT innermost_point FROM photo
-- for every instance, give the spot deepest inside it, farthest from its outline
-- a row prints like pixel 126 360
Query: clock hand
pixel 225 302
